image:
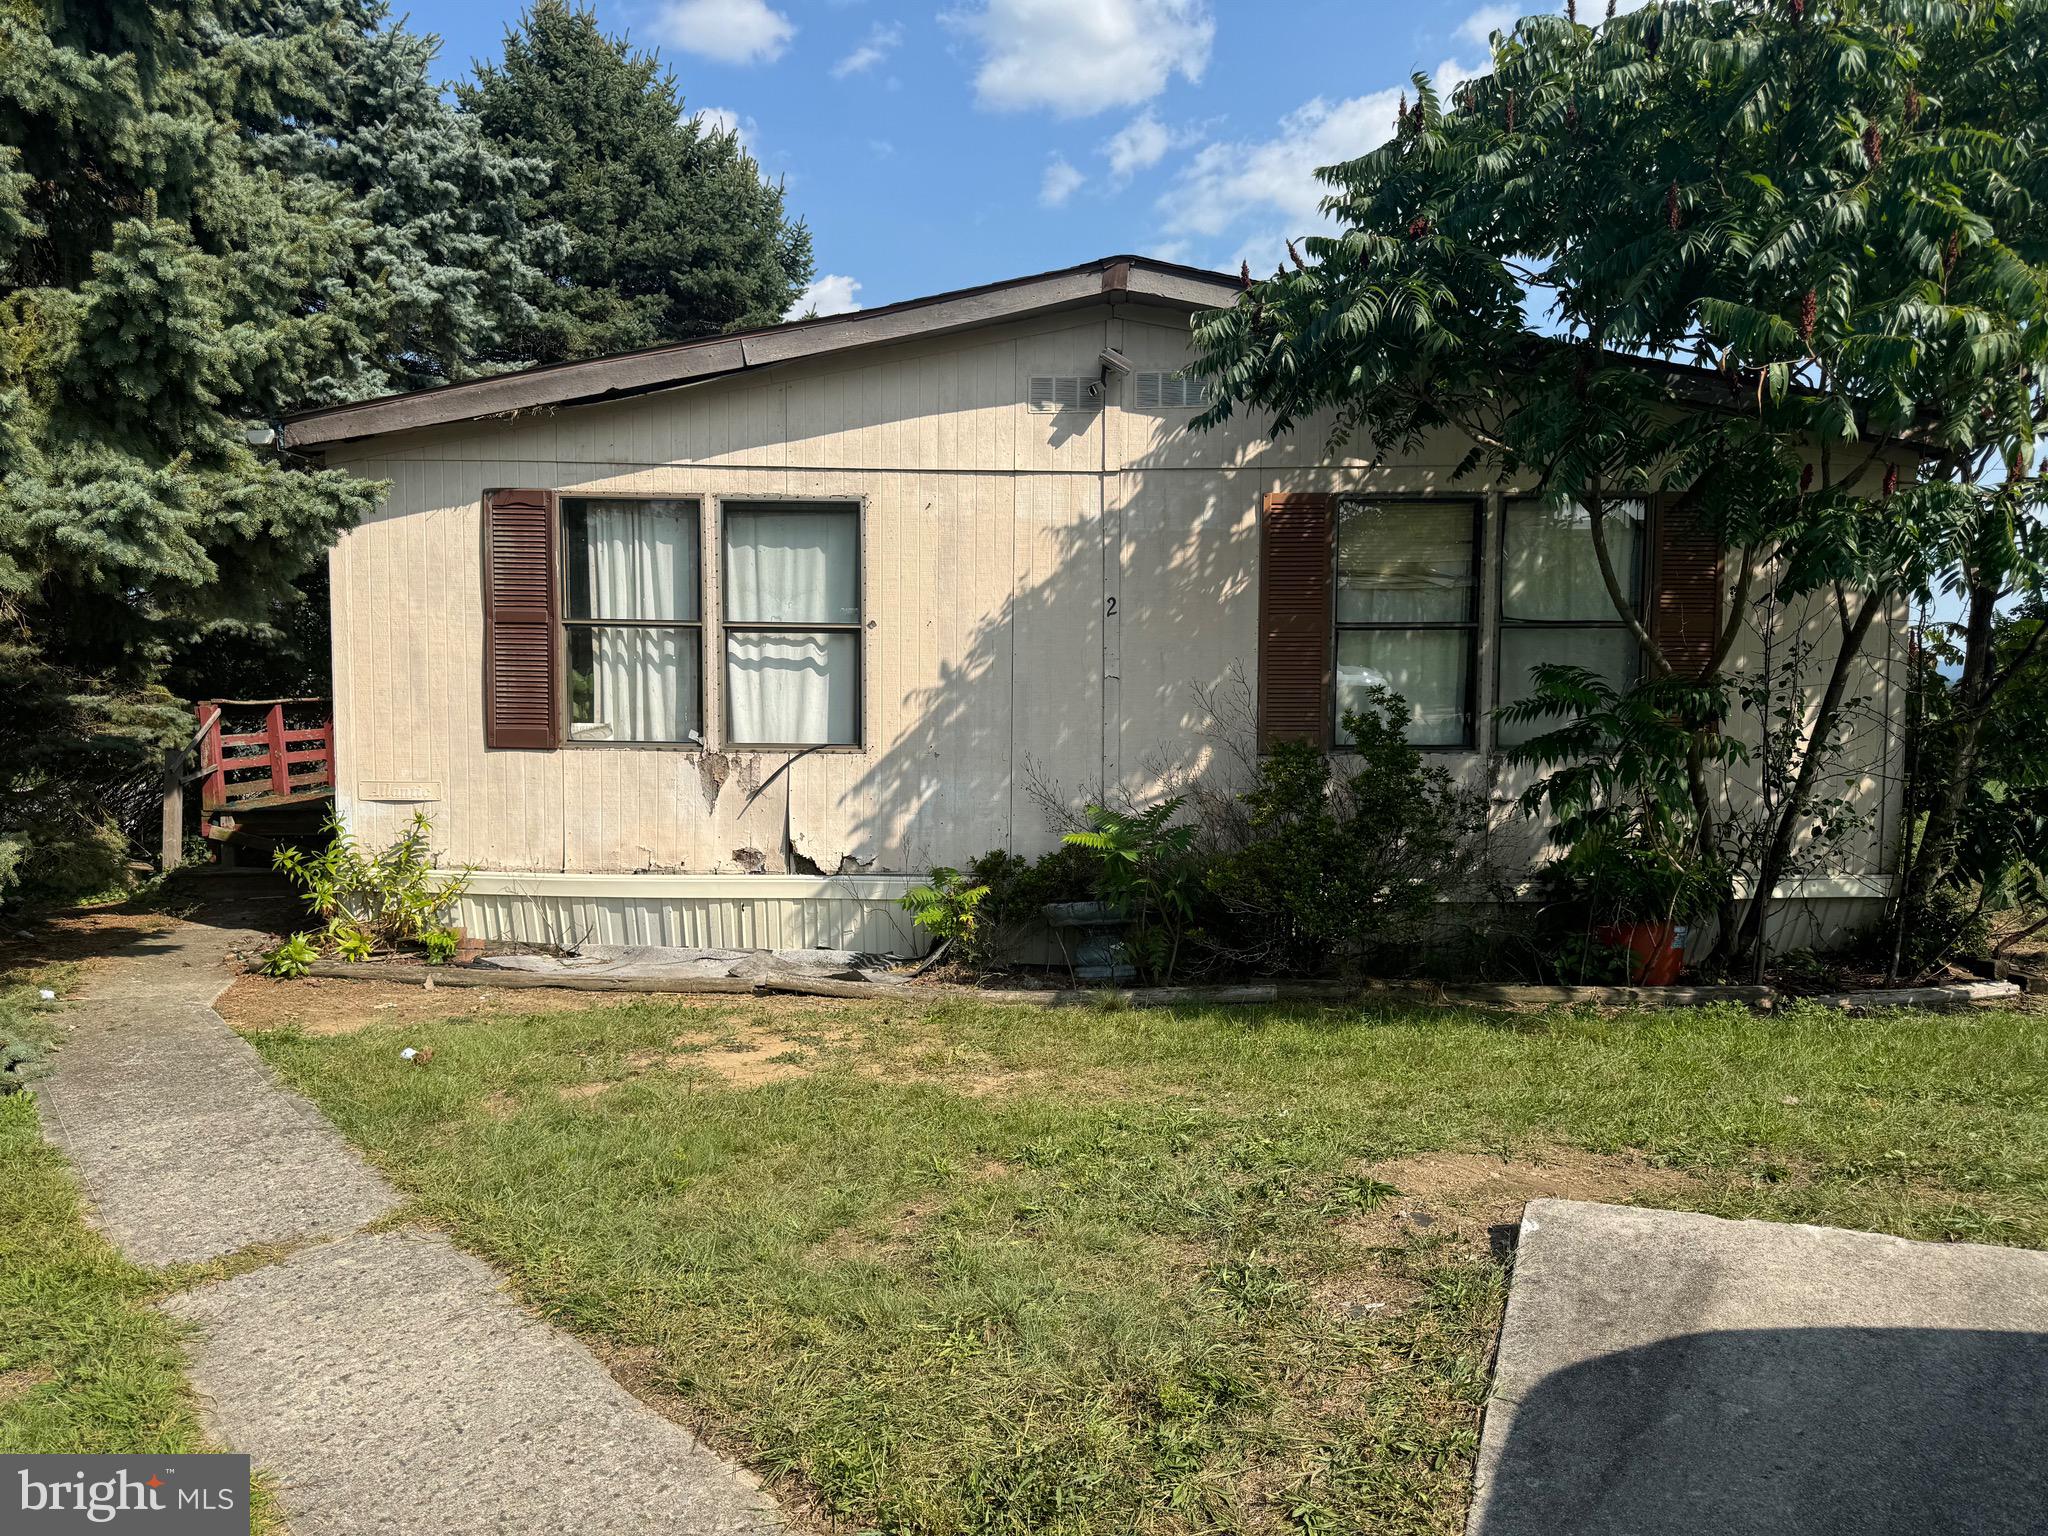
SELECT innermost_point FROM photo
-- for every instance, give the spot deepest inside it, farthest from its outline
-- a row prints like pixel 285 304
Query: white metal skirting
pixel 862 911
pixel 693 911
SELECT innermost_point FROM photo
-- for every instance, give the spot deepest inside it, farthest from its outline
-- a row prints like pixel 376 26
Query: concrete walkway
pixel 384 1380
pixel 1672 1373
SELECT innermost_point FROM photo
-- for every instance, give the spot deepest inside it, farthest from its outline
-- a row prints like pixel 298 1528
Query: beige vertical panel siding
pixel 995 537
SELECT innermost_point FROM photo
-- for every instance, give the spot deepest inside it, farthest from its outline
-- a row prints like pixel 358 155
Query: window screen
pixel 635 644
pixel 1405 613
pixel 1554 607
pixel 792 624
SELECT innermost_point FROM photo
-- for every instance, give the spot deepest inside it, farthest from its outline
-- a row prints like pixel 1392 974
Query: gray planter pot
pixel 1095 950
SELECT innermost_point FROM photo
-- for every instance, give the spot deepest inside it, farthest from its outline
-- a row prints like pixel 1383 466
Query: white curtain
pixel 1427 667
pixel 1611 653
pixel 1550 572
pixel 641 563
pixel 791 690
pixel 1549 569
pixel 1401 564
pixel 792 566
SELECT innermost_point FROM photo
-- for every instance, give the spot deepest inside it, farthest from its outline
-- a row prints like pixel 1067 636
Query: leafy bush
pixel 292 958
pixel 1339 860
pixel 1619 791
pixel 46 866
pixel 947 907
pixel 1945 922
pixel 1148 871
pixel 441 944
pixel 373 901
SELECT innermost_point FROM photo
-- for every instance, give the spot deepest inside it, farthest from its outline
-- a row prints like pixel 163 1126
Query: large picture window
pixel 792 624
pixel 632 610
pixel 1406 619
pixel 1554 606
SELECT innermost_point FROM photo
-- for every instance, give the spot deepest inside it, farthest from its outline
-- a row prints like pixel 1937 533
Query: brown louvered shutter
pixel 1685 597
pixel 520 645
pixel 1297 564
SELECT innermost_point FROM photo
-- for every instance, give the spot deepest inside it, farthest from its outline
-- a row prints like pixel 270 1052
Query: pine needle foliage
pixel 161 289
pixel 671 229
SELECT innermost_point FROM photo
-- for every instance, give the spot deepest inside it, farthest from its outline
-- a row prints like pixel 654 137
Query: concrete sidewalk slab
pixel 391 1386
pixel 385 1380
pixel 189 1147
pixel 1675 1374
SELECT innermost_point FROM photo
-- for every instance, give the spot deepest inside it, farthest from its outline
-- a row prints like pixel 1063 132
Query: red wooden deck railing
pixel 272 765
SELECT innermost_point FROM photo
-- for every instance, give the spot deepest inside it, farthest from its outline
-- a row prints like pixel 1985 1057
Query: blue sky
pixel 941 144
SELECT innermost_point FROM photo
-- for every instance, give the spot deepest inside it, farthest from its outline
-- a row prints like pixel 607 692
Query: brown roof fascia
pixel 666 367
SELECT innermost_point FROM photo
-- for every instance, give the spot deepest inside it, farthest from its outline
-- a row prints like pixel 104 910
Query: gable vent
pixel 1168 391
pixel 1049 393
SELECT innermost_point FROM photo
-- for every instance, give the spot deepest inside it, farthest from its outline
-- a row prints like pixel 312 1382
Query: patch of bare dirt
pixel 1469 1197
pixel 1365 1293
pixel 750 1059
pixel 324 1005
pixel 753 1062
pixel 15 1384
pixel 897 1235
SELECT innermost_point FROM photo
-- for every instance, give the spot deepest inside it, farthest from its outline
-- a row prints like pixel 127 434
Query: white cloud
pixel 1141 144
pixel 1489 19
pixel 1450 75
pixel 723 120
pixel 730 31
pixel 881 42
pixel 1061 182
pixel 1079 57
pixel 1228 185
pixel 832 294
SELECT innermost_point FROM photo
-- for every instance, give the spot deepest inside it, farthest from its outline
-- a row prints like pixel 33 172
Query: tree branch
pixel 1738 601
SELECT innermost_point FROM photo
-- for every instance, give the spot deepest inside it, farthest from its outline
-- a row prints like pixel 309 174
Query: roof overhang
pixel 1111 280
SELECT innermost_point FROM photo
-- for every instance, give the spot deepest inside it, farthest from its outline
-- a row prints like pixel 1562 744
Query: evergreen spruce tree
pixel 672 231
pixel 161 291
pixel 453 266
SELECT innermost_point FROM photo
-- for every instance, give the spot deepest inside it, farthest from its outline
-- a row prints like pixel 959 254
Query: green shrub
pixel 947 907
pixel 1940 924
pixel 373 901
pixel 1148 870
pixel 441 944
pixel 351 943
pixel 292 958
pixel 1342 859
pixel 1619 792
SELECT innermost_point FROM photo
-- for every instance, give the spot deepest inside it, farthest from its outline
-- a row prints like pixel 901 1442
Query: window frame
pixel 1503 625
pixel 728 740
pixel 564 703
pixel 1471 625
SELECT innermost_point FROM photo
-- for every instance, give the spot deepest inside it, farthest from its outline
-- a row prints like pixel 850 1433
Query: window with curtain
pixel 632 610
pixel 1554 607
pixel 792 624
pixel 1406 620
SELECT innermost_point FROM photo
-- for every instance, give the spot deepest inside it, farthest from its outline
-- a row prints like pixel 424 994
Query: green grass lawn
pixel 952 1268
pixel 85 1366
pixel 88 1366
